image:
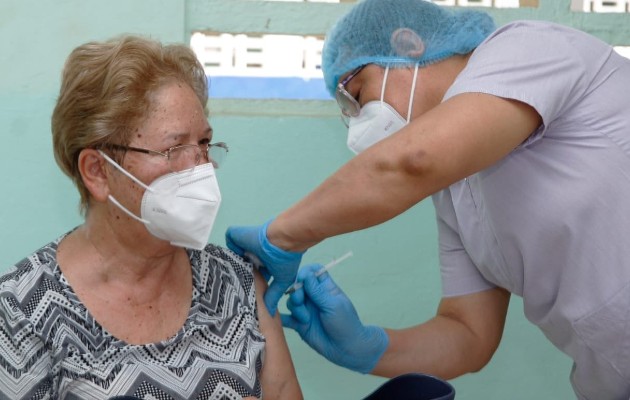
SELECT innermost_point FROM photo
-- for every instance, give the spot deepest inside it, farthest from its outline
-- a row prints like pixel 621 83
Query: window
pixel 273 66
pixel 265 63
pixel 262 66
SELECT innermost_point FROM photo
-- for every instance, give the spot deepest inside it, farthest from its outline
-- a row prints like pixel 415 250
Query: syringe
pixel 325 268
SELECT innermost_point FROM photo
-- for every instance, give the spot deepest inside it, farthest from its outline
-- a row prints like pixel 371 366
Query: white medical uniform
pixel 551 221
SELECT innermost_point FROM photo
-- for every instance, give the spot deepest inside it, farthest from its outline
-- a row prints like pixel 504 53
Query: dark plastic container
pixel 125 398
pixel 414 387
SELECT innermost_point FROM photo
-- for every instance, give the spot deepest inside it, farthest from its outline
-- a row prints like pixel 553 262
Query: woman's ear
pixel 92 169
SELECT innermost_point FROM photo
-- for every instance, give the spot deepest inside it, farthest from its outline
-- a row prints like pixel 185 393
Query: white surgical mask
pixel 377 120
pixel 180 207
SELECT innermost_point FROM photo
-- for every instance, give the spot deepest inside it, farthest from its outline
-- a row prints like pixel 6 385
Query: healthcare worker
pixel 521 135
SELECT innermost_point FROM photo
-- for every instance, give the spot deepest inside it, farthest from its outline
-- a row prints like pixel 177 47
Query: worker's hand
pixel 325 318
pixel 277 263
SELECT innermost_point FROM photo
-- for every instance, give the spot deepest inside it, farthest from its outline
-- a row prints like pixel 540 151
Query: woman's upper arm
pixel 461 136
pixel 278 377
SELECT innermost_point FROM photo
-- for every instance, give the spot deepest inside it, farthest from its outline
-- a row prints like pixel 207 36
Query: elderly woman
pixel 134 302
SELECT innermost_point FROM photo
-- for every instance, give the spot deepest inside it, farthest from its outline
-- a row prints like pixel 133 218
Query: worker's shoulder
pixel 538 32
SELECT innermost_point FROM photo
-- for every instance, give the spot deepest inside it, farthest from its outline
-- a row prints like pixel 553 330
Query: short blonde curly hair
pixel 106 92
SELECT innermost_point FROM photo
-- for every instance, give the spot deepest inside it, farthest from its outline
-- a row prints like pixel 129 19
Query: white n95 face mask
pixel 180 207
pixel 377 120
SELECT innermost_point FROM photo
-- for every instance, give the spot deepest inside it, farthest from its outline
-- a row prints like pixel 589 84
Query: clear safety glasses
pixel 186 155
pixel 349 106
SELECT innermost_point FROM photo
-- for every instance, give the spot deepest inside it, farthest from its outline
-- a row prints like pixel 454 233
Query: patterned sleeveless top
pixel 52 348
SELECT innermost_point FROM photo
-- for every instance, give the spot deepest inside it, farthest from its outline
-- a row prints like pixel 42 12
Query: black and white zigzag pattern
pixel 52 348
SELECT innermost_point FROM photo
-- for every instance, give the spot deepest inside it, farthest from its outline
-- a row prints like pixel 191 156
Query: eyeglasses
pixel 349 106
pixel 185 156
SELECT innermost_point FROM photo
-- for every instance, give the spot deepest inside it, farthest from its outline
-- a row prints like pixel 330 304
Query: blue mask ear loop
pixel 413 90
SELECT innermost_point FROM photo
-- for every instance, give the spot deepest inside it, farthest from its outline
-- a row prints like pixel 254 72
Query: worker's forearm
pixel 329 211
pixel 367 191
pixel 441 347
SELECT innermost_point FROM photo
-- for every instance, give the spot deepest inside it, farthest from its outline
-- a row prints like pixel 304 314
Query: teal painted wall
pixel 279 151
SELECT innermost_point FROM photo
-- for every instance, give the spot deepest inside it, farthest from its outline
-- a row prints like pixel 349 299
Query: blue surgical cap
pixel 399 33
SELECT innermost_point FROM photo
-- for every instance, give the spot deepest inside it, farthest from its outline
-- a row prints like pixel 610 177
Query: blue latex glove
pixel 280 264
pixel 325 318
